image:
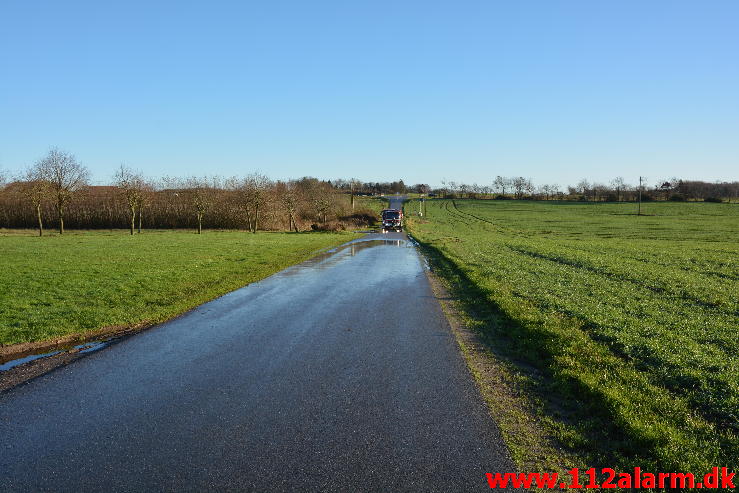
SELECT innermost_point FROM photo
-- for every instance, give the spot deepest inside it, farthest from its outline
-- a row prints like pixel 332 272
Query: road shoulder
pixel 502 384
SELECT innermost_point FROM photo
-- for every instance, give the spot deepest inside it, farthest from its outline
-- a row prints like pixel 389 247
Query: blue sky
pixel 378 90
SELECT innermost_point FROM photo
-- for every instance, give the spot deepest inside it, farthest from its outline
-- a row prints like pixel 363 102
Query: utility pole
pixel 639 207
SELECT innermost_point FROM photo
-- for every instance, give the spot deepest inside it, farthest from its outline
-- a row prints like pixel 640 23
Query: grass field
pixel 633 320
pixel 60 285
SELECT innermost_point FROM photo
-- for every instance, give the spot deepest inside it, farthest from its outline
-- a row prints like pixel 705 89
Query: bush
pixel 362 217
pixel 332 226
pixel 502 197
pixel 678 197
pixel 715 200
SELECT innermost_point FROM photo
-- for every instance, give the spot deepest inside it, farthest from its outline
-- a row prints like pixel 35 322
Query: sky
pixel 377 90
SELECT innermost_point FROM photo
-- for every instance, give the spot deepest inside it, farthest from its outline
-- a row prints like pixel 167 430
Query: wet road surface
pixel 338 374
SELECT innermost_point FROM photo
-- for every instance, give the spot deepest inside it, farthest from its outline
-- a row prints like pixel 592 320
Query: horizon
pixel 422 92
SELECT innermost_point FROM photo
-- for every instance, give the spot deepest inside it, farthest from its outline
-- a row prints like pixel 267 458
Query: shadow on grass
pixel 573 417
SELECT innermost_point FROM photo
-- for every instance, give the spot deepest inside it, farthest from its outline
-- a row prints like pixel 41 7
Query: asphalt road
pixel 338 374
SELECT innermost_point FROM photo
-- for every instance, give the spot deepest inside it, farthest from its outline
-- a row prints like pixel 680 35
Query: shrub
pixel 362 217
pixel 332 226
pixel 715 200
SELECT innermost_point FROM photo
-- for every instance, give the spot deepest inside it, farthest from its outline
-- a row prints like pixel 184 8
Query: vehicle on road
pixel 392 220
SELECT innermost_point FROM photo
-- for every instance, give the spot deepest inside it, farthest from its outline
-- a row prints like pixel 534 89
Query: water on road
pixel 337 374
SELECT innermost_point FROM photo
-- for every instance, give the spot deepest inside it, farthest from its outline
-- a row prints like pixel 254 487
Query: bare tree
pixel 132 186
pixel 320 195
pixel 618 185
pixel 255 191
pixel 289 196
pixel 322 202
pixel 36 190
pixel 500 184
pixel 200 194
pixel 65 176
pixel 521 186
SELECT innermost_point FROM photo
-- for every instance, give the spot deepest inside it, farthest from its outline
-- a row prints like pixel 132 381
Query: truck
pixel 392 220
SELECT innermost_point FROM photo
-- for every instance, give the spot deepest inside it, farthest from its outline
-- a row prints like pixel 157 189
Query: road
pixel 338 374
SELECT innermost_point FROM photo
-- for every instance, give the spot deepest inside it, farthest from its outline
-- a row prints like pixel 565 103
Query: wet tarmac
pixel 337 374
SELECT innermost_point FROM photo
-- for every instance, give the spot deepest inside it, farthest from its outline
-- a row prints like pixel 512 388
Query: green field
pixel 56 286
pixel 633 320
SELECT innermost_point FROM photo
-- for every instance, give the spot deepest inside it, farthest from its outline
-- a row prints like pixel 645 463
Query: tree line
pixel 56 191
pixel 616 190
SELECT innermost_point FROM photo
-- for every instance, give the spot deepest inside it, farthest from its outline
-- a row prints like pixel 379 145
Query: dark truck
pixel 392 220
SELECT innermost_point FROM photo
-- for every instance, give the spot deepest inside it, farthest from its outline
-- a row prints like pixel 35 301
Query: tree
pixel 397 187
pixel 521 186
pixel 500 184
pixel 36 190
pixel 255 188
pixel 319 194
pixel 65 176
pixel 618 185
pixel 200 194
pixel 132 186
pixel 289 196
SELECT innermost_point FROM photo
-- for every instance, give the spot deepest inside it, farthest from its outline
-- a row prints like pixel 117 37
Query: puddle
pixel 88 347
pixel 25 359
